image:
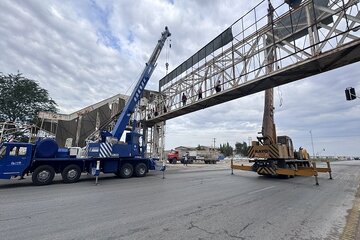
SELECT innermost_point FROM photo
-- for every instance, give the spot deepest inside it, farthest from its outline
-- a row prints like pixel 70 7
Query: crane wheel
pixel 126 171
pixel 43 175
pixel 71 173
pixel 140 170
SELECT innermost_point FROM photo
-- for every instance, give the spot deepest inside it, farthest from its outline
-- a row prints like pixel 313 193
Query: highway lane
pixel 190 203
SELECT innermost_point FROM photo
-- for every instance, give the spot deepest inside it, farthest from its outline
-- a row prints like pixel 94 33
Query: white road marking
pixel 263 189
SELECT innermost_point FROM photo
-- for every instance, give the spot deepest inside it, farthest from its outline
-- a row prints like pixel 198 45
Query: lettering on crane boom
pixel 94 149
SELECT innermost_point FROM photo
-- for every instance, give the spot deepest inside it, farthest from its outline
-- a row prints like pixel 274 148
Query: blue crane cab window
pixel 18 151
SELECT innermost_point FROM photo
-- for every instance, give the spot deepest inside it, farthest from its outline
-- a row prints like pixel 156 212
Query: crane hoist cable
pixel 280 96
pixel 131 86
pixel 167 55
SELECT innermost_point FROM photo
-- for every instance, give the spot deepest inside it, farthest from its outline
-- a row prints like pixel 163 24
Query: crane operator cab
pixel 287 146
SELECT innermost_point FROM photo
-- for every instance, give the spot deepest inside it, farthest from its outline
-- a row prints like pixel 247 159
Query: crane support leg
pixel 291 169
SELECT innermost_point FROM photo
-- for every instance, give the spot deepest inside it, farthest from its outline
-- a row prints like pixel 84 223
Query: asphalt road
pixel 190 203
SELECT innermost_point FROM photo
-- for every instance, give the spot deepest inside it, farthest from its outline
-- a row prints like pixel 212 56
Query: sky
pixel 88 50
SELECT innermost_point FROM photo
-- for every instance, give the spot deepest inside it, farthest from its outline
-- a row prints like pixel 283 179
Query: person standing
pixel 199 93
pixel 218 86
pixel 183 99
pixel 186 158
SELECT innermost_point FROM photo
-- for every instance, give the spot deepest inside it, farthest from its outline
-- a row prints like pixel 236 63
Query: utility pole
pixel 312 144
pixel 249 139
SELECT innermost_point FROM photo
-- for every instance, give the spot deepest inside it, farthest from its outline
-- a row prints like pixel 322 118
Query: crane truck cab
pixel 14 159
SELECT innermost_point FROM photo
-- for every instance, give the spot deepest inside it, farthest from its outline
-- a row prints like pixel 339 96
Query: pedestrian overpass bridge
pixel 267 47
pixel 318 36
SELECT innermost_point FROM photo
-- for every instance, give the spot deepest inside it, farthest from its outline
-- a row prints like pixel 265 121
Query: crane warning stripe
pixel 274 151
pixel 105 149
pixel 266 170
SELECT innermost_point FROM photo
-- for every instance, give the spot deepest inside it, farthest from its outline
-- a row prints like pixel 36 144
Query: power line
pixel 332 136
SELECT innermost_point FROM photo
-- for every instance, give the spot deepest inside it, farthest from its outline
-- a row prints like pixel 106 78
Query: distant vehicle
pixel 207 158
pixel 175 155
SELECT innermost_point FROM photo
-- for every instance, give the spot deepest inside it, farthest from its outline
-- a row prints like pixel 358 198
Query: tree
pixel 226 149
pixel 21 99
pixel 241 148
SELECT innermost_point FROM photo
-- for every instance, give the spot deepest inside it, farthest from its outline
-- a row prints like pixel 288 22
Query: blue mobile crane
pixel 125 159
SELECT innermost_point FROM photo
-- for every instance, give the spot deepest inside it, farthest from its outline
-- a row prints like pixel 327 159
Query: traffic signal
pixel 350 93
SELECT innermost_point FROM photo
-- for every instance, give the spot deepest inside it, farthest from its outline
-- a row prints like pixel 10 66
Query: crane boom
pixel 139 88
pixel 268 130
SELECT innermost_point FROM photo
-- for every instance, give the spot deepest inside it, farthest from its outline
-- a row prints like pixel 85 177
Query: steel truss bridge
pixel 317 36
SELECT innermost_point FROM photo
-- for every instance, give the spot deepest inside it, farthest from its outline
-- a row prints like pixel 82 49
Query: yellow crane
pixel 275 155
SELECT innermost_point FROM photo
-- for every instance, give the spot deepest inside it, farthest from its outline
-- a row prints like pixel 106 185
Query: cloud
pixel 86 51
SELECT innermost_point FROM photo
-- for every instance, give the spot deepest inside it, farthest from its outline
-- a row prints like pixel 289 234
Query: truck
pixel 173 156
pixel 44 158
pixel 178 155
pixel 208 157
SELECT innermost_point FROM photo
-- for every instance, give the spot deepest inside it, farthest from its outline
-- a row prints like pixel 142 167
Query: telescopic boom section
pixel 139 88
pixel 268 128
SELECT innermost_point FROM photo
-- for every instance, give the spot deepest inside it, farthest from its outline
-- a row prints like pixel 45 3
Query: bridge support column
pixel 155 137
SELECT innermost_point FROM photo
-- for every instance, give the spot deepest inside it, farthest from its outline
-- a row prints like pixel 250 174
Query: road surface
pixel 192 202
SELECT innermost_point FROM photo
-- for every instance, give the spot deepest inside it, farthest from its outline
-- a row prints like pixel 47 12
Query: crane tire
pixel 140 170
pixel 126 170
pixel 71 173
pixel 43 175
